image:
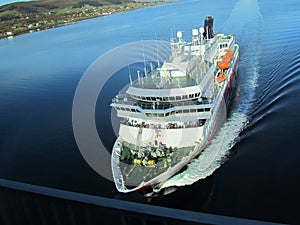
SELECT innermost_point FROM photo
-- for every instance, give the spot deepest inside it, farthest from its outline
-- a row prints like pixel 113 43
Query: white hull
pixel 190 140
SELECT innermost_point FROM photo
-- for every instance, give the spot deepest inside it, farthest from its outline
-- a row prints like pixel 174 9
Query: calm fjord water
pixel 259 178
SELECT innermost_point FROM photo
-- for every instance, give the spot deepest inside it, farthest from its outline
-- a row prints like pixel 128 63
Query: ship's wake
pixel 214 155
pixel 217 152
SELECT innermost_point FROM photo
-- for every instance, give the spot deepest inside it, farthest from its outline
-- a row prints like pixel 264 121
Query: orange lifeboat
pixel 226 58
pixel 223 64
pixel 221 77
pixel 229 54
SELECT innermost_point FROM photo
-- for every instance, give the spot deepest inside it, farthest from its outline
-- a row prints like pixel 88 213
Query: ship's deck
pixel 134 174
pixel 154 81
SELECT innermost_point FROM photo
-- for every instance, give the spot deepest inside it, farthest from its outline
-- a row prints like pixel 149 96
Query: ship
pixel 170 114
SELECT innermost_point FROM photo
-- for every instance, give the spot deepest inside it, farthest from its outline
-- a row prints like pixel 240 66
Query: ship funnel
pixel 208 28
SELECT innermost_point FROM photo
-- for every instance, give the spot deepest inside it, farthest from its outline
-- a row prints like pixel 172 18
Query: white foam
pixel 212 157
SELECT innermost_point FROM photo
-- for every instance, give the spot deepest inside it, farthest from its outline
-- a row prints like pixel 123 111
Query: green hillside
pixel 22 17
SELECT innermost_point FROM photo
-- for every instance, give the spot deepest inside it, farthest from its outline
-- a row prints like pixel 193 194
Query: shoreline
pixel 64 17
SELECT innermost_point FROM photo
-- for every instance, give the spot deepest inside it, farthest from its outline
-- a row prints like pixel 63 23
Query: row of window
pixel 223 46
pixel 177 112
pixel 168 98
pixel 128 109
pixel 168 113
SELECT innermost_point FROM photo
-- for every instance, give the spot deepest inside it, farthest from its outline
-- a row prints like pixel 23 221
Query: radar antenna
pixel 179 36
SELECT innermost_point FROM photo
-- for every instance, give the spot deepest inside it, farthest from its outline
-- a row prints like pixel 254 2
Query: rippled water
pixel 253 168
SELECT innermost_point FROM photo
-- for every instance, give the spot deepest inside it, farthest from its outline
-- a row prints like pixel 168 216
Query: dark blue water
pixel 258 174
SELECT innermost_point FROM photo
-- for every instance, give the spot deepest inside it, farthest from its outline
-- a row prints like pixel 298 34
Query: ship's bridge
pixel 169 95
pixel 156 81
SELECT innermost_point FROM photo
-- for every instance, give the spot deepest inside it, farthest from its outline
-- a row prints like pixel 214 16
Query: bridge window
pixel 223 46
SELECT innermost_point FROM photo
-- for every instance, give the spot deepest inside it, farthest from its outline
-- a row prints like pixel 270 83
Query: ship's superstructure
pixel 170 114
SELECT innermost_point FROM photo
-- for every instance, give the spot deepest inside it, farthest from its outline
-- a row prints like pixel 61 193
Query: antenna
pixel 195 35
pixel 145 70
pixel 139 75
pixel 201 30
pixel 172 34
pixel 130 79
pixel 151 70
pixel 158 63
